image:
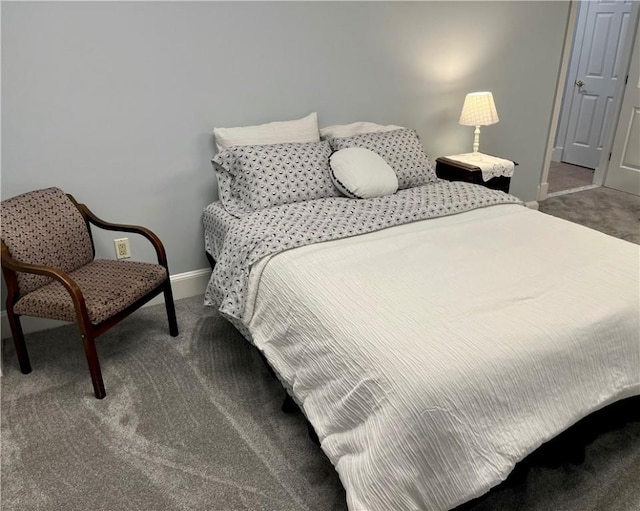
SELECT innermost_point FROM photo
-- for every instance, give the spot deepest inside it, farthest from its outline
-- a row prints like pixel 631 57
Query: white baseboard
pixel 572 190
pixel 532 204
pixel 183 285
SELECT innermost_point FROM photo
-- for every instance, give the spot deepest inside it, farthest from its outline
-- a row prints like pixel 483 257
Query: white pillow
pixel 279 132
pixel 355 128
pixel 362 174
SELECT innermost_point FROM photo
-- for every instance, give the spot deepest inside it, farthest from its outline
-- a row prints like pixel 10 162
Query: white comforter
pixel 432 357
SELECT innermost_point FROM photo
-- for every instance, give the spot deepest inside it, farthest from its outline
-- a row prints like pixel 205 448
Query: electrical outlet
pixel 122 248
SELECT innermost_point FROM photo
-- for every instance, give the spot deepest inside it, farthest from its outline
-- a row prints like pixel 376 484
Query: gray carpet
pixel 564 176
pixel 194 423
pixel 606 210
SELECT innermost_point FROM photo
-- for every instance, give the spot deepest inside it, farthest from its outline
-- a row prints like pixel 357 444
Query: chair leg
pixel 171 310
pixel 18 341
pixel 90 351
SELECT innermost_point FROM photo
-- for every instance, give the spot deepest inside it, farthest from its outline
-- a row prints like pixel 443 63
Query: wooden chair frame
pixel 88 330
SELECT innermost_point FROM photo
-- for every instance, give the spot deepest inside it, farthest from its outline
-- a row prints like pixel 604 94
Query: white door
pixel 597 80
pixel 623 172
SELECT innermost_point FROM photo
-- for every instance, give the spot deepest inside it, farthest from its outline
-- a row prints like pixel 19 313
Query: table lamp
pixel 478 110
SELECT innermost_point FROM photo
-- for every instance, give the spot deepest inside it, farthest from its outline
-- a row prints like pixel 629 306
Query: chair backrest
pixel 44 227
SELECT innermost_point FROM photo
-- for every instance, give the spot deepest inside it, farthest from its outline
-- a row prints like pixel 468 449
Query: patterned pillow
pixel 401 149
pixel 256 177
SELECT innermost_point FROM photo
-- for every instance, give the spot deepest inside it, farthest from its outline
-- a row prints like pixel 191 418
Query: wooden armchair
pixel 49 266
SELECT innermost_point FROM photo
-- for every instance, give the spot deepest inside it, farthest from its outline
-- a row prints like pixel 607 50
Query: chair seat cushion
pixel 108 287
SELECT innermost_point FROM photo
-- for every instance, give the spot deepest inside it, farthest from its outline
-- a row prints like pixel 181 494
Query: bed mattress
pixel 431 357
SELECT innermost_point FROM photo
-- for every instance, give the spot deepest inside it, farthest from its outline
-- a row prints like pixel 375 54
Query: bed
pixel 433 336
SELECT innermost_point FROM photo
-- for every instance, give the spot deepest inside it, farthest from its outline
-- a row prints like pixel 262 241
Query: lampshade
pixel 479 110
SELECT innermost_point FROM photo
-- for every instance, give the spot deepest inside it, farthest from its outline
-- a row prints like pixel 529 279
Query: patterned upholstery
pixel 107 286
pixel 44 227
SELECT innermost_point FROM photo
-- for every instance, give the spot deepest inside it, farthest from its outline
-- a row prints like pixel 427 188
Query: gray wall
pixel 115 102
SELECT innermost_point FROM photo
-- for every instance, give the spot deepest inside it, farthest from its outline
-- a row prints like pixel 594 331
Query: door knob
pixel 579 83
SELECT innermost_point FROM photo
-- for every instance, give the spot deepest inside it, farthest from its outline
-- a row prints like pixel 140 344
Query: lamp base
pixel 476 139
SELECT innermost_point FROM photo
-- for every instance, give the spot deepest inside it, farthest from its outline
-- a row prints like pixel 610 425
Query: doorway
pixel 596 66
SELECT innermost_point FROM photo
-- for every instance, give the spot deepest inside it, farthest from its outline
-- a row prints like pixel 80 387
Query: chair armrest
pixel 9 263
pixel 136 229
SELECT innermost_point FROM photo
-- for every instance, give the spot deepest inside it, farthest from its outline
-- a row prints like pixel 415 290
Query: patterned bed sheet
pixel 272 230
pixel 217 223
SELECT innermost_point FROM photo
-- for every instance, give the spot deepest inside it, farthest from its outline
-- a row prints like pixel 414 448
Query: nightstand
pixel 489 171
